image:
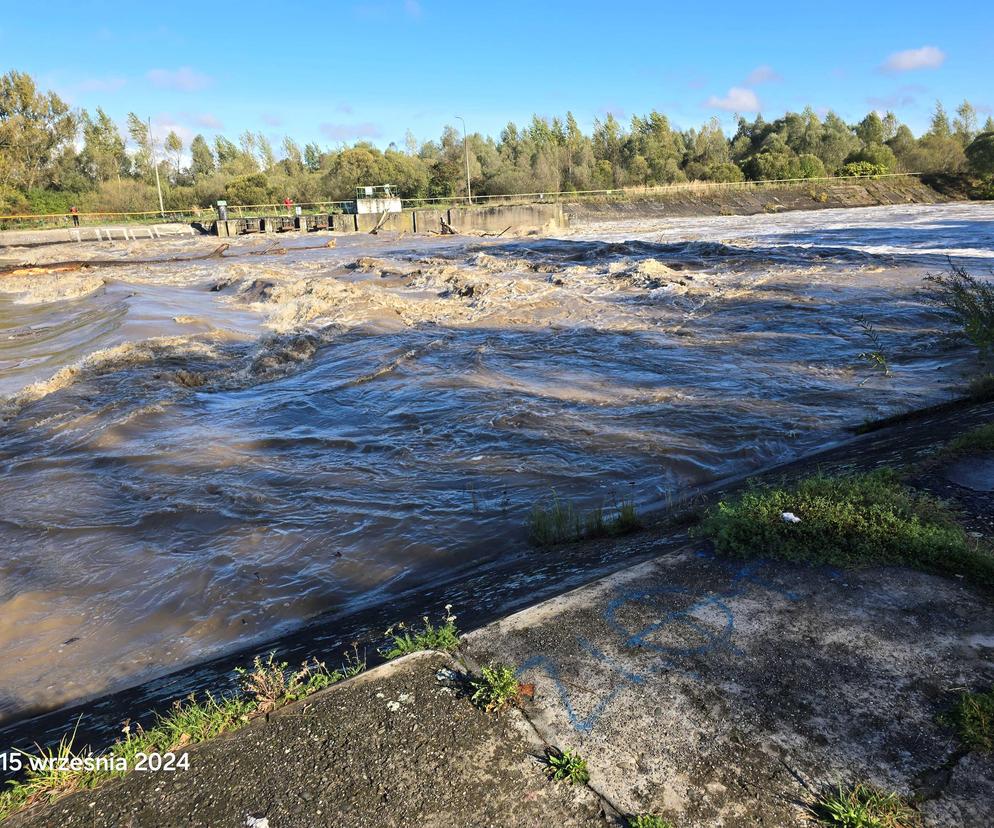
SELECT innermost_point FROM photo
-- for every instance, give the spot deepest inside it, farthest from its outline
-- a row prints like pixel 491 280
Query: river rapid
pixel 200 454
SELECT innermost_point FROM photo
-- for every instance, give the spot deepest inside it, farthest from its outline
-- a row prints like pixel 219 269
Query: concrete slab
pixel 974 472
pixel 343 222
pixel 123 232
pixel 718 692
pixel 393 747
pixel 396 222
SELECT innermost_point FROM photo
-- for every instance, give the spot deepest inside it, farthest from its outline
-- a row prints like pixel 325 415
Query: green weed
pixel 557 521
pixel 969 302
pixel 444 637
pixel 271 684
pixel 265 686
pixel 567 766
pixel 648 821
pixel 876 356
pixel 847 520
pixel 981 388
pixel 560 521
pixel 864 806
pixel 973 718
pixel 976 440
pixel 497 687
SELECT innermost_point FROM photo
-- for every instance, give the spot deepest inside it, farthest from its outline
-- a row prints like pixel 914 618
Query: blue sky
pixel 373 69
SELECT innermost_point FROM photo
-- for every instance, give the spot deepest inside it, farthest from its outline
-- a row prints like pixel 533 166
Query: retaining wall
pixel 514 217
pixel 518 218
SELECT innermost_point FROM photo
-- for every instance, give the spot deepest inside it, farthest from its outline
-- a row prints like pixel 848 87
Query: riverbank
pixel 375 420
pixel 514 217
pixel 746 200
pixel 707 690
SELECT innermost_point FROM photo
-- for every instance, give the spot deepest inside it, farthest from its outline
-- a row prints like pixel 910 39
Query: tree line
pixel 52 156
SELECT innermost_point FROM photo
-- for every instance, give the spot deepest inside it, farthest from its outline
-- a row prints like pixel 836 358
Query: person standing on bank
pixel 74 212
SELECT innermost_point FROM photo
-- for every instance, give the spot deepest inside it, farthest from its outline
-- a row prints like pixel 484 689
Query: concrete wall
pixel 520 217
pixel 426 221
pixel 343 222
pixel 398 222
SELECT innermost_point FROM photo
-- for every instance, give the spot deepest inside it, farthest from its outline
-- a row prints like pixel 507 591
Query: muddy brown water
pixel 200 455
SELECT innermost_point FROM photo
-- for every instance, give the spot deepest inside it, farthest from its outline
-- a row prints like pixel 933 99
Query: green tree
pixel 312 157
pixel 35 127
pixel 965 123
pixel 201 159
pixel 903 145
pixel 174 152
pixel 142 138
pixel 811 166
pixel 248 189
pixel 837 143
pixel 980 153
pixel 103 156
pixel 870 130
pixel 880 155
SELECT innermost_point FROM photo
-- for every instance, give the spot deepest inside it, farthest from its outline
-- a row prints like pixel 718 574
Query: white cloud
pixel 272 119
pixel 763 74
pixel 205 119
pixel 183 79
pixel 928 57
pixel 738 99
pixel 347 132
pixel 107 84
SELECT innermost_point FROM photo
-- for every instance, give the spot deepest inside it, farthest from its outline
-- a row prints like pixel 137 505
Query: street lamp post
pixel 465 148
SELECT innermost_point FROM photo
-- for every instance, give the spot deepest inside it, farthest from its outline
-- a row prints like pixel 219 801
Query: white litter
pixel 256 822
pixel 790 517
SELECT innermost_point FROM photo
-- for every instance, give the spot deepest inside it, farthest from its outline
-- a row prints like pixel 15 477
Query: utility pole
pixel 465 148
pixel 155 166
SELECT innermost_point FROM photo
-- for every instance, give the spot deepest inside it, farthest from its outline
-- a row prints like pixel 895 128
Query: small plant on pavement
pixel 271 683
pixel 444 637
pixel 567 766
pixel 496 688
pixel 649 821
pixel 973 718
pixel 864 806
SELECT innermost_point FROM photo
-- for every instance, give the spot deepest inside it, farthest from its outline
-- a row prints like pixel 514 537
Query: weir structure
pixel 490 220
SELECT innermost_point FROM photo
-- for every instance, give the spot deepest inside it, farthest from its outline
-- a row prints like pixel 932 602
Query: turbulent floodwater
pixel 199 454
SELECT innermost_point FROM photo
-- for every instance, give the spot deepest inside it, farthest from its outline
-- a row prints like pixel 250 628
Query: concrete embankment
pixel 709 690
pixel 744 200
pixel 120 232
pixel 514 219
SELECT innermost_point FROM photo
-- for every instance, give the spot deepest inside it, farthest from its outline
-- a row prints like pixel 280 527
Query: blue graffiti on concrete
pixel 742 577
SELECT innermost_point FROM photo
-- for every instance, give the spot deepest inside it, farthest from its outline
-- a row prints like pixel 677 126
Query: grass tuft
pixel 497 688
pixel 976 440
pixel 444 637
pixel 973 718
pixel 271 684
pixel 558 521
pixel 848 520
pixel 864 806
pixel 567 766
pixel 982 388
pixel 265 686
pixel 648 821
